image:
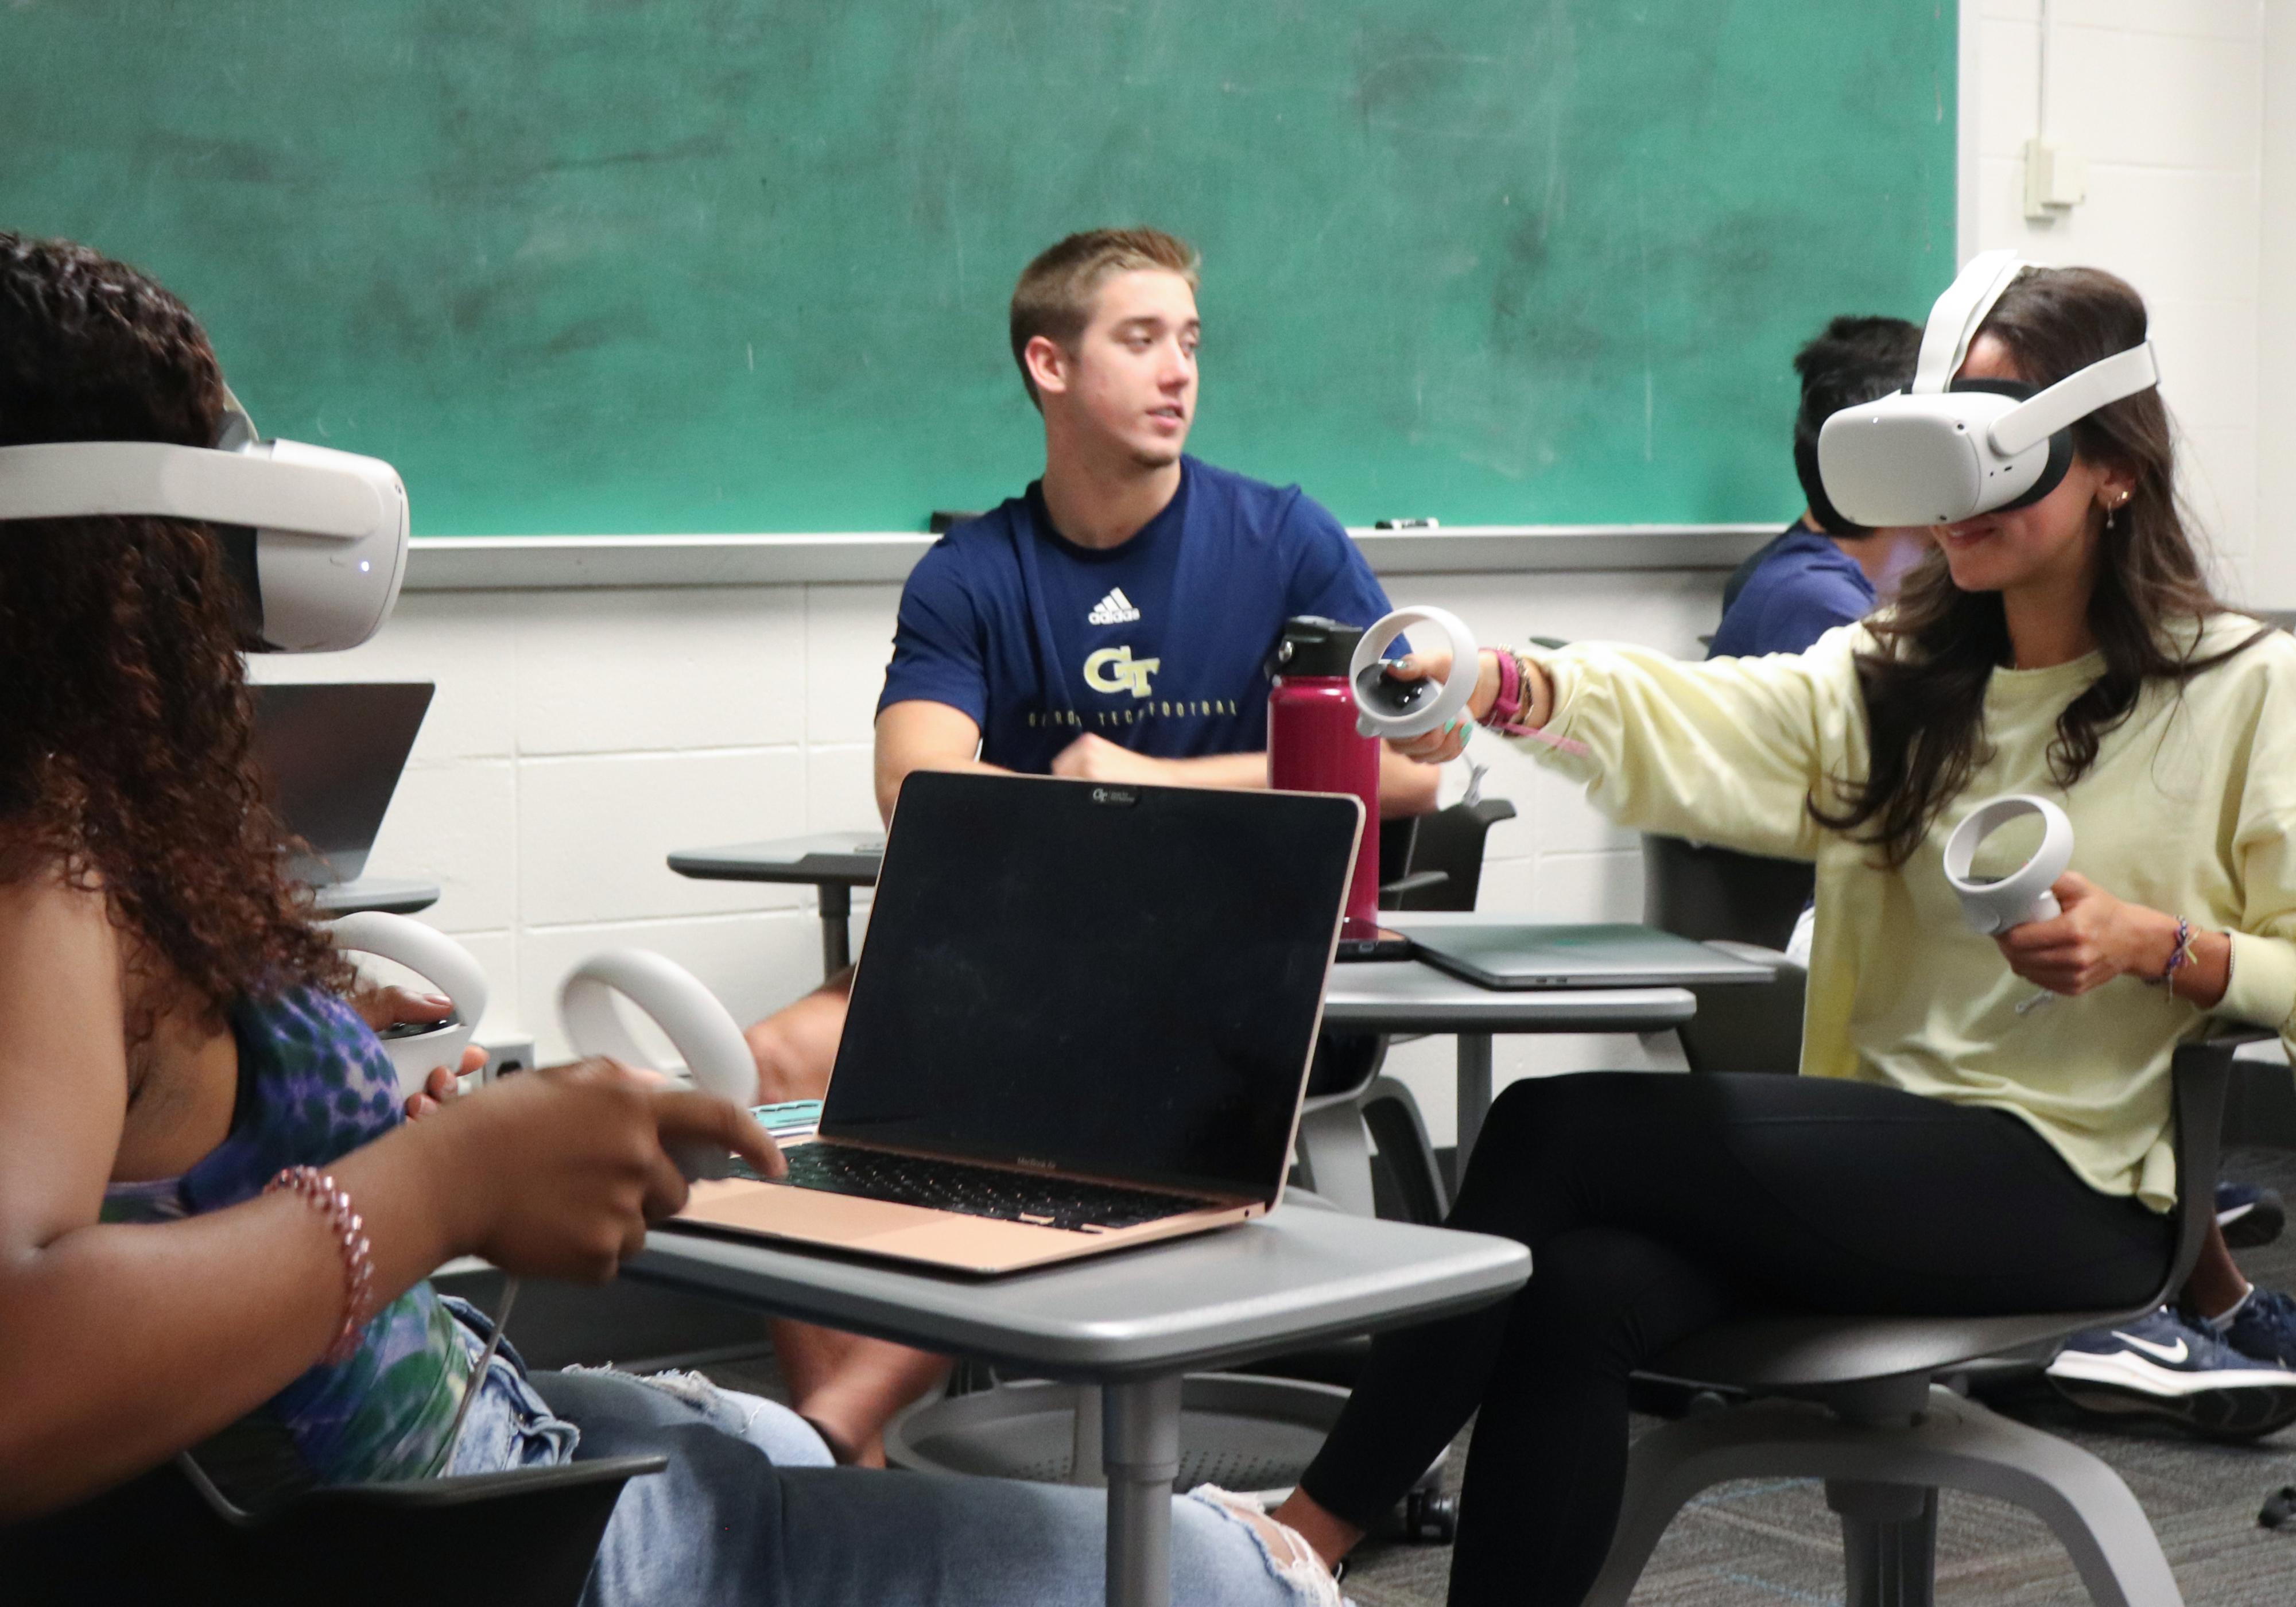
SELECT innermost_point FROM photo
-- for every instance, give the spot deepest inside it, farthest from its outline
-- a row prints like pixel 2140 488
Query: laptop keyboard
pixel 974 1191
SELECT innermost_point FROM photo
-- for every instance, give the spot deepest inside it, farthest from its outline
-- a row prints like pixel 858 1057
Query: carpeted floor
pixel 1759 1545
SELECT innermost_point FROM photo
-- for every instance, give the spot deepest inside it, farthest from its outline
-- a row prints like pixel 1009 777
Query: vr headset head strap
pixel 59 479
pixel 1953 320
pixel 2074 397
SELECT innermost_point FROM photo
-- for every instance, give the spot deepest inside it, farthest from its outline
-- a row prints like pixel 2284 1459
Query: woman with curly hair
pixel 174 1036
pixel 1947 1149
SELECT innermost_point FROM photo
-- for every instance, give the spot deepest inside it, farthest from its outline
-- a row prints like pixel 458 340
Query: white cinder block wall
pixel 2166 100
pixel 577 736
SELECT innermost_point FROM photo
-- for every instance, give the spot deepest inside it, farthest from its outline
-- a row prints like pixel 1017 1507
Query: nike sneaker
pixel 2250 1215
pixel 2160 1366
pixel 2264 1328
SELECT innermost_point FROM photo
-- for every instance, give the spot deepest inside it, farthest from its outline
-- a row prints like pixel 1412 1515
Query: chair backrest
pixel 2199 1076
pixel 1718 896
pixel 1748 1025
pixel 525 1538
pixel 1450 842
pixel 1704 893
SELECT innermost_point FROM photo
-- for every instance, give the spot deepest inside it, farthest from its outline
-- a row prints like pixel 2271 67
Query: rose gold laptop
pixel 1083 1019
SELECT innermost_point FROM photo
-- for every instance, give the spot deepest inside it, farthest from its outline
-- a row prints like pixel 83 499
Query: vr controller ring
pixel 2023 895
pixel 1394 709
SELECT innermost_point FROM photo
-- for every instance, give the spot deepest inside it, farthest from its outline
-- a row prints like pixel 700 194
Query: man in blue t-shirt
pixel 1110 624
pixel 1823 570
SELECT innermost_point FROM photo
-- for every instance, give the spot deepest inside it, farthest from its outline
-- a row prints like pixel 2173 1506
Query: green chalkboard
pixel 665 265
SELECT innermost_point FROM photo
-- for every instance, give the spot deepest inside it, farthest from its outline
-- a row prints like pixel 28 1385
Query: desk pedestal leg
pixel 1474 1095
pixel 836 938
pixel 1085 1458
pixel 1141 1450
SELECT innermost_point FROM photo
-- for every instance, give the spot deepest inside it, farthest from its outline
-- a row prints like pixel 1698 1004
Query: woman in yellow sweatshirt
pixel 1943 1152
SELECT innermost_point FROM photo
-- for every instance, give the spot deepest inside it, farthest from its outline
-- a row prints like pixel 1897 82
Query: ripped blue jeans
pixel 751 1511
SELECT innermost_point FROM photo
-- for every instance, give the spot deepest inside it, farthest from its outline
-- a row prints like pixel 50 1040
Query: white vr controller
pixel 703 1031
pixel 1993 908
pixel 416 1049
pixel 1393 709
pixel 319 536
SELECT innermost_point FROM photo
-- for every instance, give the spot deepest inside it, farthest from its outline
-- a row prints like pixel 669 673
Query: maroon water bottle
pixel 1313 746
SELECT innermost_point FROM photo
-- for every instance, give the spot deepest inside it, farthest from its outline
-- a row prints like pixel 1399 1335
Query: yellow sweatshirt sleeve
pixel 2260 819
pixel 1727 751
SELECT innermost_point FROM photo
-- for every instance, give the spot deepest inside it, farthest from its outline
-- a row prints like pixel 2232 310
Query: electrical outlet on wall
pixel 2056 179
pixel 507 1055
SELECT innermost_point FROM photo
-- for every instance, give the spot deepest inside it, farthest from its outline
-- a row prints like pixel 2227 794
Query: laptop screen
pixel 333 753
pixel 1112 979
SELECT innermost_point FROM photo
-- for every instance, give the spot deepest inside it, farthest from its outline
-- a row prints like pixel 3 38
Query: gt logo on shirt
pixel 1115 670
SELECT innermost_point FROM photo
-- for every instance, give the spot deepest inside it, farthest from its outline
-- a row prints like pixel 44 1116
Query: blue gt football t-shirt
pixel 1158 645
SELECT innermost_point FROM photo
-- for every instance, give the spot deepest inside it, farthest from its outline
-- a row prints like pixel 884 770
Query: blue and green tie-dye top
pixel 314 1085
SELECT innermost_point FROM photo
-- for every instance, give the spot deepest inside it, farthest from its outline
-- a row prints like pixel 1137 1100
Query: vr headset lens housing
pixel 1950 449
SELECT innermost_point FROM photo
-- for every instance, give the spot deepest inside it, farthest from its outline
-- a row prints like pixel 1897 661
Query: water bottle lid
pixel 1313 645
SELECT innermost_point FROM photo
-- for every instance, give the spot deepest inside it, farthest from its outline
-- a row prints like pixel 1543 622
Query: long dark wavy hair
pixel 125 723
pixel 1923 683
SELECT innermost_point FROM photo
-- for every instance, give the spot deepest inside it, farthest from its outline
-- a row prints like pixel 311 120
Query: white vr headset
pixel 1950 449
pixel 316 537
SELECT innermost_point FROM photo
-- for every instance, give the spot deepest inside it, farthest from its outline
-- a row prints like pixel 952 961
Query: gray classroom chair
pixel 521 1538
pixel 1854 1401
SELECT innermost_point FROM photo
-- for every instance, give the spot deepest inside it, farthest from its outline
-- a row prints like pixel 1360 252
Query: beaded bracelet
pixel 2179 957
pixel 319 1190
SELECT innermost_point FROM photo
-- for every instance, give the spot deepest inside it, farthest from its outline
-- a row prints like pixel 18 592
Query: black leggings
pixel 1655 1204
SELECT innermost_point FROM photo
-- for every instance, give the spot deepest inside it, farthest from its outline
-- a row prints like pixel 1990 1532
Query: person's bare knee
pixel 796 1046
pixel 849 1387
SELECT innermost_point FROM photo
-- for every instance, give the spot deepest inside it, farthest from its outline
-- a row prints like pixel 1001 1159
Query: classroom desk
pixel 1407 996
pixel 1131 1322
pixel 385 893
pixel 835 863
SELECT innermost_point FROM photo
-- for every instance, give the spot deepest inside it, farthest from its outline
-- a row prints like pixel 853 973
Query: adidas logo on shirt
pixel 1115 609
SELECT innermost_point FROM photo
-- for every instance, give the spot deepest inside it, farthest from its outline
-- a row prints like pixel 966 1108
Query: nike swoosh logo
pixel 2174 1355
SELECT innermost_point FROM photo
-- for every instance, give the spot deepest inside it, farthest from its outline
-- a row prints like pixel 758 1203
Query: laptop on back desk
pixel 332 753
pixel 1082 1019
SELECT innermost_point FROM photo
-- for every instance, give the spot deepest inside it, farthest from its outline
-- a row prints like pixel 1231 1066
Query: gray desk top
pixel 375 892
pixel 1294 1277
pixel 1405 996
pixel 851 857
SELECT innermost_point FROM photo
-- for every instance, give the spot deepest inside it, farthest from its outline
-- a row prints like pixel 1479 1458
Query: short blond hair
pixel 1055 294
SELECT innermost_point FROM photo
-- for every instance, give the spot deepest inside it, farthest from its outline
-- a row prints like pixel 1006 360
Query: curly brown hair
pixel 125 722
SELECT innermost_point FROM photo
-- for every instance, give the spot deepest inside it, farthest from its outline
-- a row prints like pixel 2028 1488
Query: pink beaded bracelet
pixel 348 1227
